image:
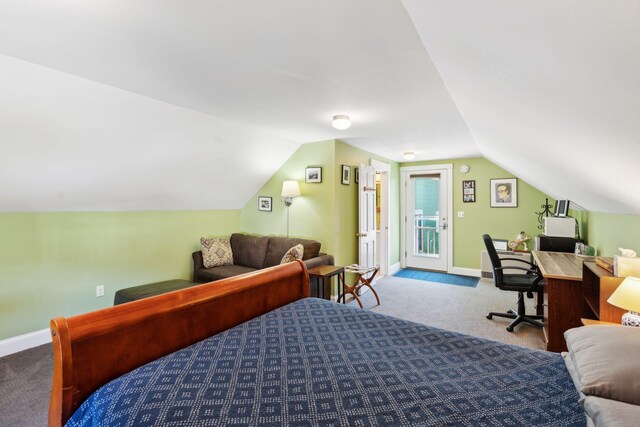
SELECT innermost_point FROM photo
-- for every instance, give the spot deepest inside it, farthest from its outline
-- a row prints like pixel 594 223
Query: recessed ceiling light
pixel 409 155
pixel 341 122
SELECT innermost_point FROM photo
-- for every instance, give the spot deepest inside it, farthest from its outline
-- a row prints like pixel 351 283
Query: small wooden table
pixel 323 274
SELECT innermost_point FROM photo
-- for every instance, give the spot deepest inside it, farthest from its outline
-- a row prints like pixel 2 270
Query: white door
pixel 426 220
pixel 367 216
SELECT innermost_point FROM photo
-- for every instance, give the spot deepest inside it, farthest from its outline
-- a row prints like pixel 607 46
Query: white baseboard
pixel 473 272
pixel 24 342
pixel 393 269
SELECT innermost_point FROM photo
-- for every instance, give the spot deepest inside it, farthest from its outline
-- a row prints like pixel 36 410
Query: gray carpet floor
pixel 25 377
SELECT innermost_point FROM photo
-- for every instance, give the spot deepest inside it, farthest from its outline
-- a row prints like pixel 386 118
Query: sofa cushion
pixel 222 272
pixel 144 291
pixel 216 251
pixel 278 246
pixel 249 251
pixel 292 254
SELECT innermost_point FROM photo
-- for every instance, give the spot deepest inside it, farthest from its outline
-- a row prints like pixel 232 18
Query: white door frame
pixel 385 214
pixel 405 173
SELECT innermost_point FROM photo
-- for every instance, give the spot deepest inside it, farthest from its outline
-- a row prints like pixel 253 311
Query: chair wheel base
pixel 489 316
pixel 509 328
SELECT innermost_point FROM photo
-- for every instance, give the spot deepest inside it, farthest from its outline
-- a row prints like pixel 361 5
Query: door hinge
pixel 405 254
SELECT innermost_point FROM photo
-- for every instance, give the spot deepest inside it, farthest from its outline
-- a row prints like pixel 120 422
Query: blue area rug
pixel 432 276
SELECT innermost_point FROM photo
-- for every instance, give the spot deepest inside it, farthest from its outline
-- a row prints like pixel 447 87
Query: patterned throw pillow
pixel 293 254
pixel 216 251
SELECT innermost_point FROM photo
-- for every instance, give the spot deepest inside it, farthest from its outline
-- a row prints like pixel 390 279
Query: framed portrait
pixel 469 191
pixel 504 192
pixel 313 174
pixel 561 209
pixel 264 203
pixel 346 174
pixel 356 175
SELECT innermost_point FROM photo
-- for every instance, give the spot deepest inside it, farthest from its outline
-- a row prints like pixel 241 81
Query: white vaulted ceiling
pixel 137 105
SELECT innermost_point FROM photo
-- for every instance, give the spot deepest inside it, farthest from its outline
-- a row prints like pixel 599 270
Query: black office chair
pixel 521 283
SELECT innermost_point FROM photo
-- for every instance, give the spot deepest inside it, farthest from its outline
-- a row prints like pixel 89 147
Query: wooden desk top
pixel 325 270
pixel 560 265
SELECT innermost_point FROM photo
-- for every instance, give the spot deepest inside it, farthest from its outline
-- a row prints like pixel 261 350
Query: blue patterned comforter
pixel 314 362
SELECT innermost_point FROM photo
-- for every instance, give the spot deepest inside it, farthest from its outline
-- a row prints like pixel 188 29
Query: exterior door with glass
pixel 426 220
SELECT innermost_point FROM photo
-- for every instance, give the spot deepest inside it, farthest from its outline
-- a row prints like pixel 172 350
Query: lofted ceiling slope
pixel 120 105
pixel 549 90
pixel 281 68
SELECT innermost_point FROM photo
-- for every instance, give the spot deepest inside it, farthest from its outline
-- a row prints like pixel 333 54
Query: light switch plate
pixel 460 214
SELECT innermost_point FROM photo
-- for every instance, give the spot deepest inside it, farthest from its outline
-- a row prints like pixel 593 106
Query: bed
pixel 255 350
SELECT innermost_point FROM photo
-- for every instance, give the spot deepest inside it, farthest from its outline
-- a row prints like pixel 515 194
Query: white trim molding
pixel 394 268
pixel 24 342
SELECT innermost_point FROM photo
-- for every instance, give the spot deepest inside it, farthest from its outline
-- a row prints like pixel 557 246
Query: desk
pixel 323 274
pixel 562 301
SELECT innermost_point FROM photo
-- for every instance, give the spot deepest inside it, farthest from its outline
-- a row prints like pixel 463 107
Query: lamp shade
pixel 627 296
pixel 290 189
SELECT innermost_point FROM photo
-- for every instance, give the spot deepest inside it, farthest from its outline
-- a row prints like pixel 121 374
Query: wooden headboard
pixel 93 348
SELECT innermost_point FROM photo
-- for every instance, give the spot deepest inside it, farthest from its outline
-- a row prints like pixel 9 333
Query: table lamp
pixel 627 296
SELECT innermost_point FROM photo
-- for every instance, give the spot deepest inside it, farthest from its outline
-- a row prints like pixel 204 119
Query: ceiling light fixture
pixel 341 122
pixel 409 155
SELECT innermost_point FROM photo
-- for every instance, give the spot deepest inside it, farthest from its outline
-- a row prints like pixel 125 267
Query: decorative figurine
pixel 520 239
pixel 628 253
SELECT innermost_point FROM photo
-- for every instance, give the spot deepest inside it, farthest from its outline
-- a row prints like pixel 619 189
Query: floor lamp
pixel 290 189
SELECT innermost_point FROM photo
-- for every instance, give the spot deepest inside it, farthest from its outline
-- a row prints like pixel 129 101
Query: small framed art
pixel 504 193
pixel 313 174
pixel 346 174
pixel 469 191
pixel 561 209
pixel 356 175
pixel 264 203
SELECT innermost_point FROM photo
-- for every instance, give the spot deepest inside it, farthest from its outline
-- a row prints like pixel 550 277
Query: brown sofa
pixel 251 253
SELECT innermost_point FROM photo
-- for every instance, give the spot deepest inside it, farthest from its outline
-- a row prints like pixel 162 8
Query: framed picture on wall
pixel 504 193
pixel 469 191
pixel 356 175
pixel 346 174
pixel 264 203
pixel 313 174
pixel 561 209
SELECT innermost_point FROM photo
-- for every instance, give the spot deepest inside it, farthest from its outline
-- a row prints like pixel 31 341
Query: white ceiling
pixel 130 105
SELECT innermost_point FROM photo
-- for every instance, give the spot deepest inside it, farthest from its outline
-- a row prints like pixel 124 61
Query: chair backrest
pixel 496 264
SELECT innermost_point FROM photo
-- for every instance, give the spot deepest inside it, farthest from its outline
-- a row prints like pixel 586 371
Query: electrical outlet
pixel 100 291
pixel 460 214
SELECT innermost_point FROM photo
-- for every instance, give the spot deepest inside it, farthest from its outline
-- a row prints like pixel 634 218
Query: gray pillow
pixel 216 251
pixel 293 254
pixel 606 360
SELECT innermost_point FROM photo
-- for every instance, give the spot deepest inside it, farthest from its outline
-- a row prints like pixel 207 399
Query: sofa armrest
pixel 321 259
pixel 198 264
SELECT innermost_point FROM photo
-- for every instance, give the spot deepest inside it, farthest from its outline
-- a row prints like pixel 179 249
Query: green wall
pixel 327 211
pixel 608 232
pixel 51 263
pixel 480 217
pixel 310 215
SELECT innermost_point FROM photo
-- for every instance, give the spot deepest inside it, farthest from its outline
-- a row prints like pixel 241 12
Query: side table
pixel 322 275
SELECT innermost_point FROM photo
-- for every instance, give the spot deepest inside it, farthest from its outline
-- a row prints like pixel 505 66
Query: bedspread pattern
pixel 314 362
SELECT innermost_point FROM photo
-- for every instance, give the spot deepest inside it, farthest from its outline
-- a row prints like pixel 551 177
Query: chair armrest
pixel 321 259
pixel 530 270
pixel 519 260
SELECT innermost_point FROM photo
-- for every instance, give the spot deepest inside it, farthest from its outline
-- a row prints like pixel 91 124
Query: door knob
pixel 361 234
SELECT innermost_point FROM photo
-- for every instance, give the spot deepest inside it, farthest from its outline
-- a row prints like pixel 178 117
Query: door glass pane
pixel 426 215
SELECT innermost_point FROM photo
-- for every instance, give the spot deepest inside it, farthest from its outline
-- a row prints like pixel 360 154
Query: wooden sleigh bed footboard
pixel 93 348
